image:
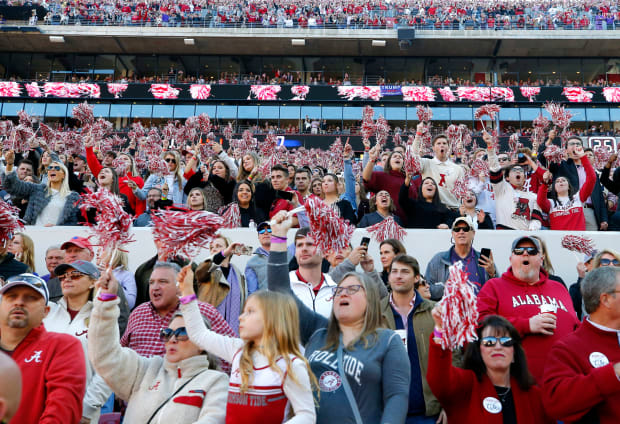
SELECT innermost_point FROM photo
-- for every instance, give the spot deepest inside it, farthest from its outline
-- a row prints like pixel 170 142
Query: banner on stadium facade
pixel 309 93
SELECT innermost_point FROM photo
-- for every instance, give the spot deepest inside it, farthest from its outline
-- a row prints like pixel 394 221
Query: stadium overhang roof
pixel 323 42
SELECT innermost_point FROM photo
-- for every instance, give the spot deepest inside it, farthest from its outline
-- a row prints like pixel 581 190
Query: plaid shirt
pixel 145 324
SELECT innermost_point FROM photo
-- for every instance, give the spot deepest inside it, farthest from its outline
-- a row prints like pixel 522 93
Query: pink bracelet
pixel 277 241
pixel 186 299
pixel 437 333
pixel 105 297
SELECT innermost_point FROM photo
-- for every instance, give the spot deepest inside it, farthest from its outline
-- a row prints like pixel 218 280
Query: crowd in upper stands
pixel 421 14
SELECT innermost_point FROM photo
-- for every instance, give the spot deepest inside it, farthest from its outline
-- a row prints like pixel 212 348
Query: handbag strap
pixel 346 386
pixel 171 396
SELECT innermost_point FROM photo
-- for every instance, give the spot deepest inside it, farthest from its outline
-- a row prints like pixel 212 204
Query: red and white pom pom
pixel 113 224
pixel 24 118
pixel 554 154
pixel 368 125
pixel 228 132
pixel 559 115
pixel 461 188
pixel 425 113
pixel 336 159
pixel 578 244
pixel 231 215
pixel 387 229
pixel 10 224
pixel 412 163
pixel 184 233
pixel 541 122
pixel 459 313
pixel 84 113
pixel 479 167
pixel 330 232
pixel 397 139
pixel 204 123
pixel 382 130
pixel 157 166
pixel 601 156
pixel 489 110
pixel 513 144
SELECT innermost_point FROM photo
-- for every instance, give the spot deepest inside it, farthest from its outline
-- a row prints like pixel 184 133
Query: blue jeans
pixel 420 419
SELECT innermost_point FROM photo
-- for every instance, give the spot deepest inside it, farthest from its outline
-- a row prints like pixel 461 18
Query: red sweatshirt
pixel 568 216
pixel 53 378
pixel 138 206
pixel 578 381
pixel 518 301
pixel 462 396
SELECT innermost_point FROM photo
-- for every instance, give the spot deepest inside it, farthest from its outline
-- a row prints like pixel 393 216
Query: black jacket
pixel 9 266
pixel 568 169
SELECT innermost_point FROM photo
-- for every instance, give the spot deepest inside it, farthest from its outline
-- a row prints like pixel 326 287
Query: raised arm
pixel 588 187
pixel 91 159
pixel 16 187
pixel 349 183
pixel 278 277
pixel 372 157
pixel 541 198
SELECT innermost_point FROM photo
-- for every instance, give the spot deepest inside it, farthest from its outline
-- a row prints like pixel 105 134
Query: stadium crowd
pixel 199 340
pixel 421 14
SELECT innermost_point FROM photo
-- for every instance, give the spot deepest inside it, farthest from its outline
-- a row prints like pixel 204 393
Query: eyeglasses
pixel 503 159
pixel 461 229
pixel 75 275
pixel 575 143
pixel 421 283
pixel 168 160
pixel 54 168
pixel 521 250
pixel 492 341
pixel 350 290
pixel 607 262
pixel 264 230
pixel 180 334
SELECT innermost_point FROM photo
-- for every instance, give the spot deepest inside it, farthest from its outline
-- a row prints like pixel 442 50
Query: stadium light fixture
pixel 57 39
pixel 378 43
pixel 298 41
pixel 189 41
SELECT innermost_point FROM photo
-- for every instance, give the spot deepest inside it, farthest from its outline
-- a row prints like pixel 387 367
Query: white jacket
pixel 59 321
pixel 322 302
pixel 146 383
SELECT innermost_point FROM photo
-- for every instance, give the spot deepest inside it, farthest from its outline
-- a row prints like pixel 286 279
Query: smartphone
pixel 286 195
pixel 485 252
pixel 365 241
pixel 243 250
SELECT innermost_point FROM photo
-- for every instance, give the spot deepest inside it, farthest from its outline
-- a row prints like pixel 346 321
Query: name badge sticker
pixel 492 405
pixel 598 359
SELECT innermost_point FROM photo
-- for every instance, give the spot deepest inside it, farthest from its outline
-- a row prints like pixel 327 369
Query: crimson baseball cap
pixel 81 242
pixel 29 280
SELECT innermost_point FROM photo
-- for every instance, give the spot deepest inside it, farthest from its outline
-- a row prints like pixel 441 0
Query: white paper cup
pixel 547 308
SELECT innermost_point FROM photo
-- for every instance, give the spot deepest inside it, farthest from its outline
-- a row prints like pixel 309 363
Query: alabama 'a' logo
pixel 329 381
pixel 36 357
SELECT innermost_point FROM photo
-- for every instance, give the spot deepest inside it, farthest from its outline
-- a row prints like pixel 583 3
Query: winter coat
pixel 38 198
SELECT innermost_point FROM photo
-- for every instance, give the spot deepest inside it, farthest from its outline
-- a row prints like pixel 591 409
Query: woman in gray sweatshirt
pixel 374 359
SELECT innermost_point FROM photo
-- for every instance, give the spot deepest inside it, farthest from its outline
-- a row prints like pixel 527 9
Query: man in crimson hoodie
pixel 582 376
pixel 52 364
pixel 518 295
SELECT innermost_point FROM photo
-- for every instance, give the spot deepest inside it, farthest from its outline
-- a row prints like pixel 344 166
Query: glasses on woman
pixel 350 290
pixel 75 275
pixel 180 334
pixel 492 341
pixel 521 250
pixel 168 160
pixel 608 262
pixel 422 283
pixel 54 168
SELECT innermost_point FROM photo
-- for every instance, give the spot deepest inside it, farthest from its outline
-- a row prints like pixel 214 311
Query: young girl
pixel 268 369
pixel 565 204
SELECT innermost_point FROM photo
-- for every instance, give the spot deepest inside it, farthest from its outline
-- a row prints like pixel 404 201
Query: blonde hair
pixel 177 171
pixel 596 262
pixel 64 187
pixel 132 170
pixel 202 193
pixel 373 319
pixel 121 259
pixel 281 336
pixel 547 266
pixel 242 173
pixel 27 255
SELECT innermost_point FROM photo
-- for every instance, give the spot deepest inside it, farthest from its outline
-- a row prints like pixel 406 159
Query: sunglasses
pixel 422 283
pixel 492 341
pixel 32 280
pixel 350 290
pixel 168 160
pixel 607 262
pixel 521 250
pixel 264 230
pixel 54 168
pixel 503 159
pixel 180 334
pixel 461 229
pixel 75 275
